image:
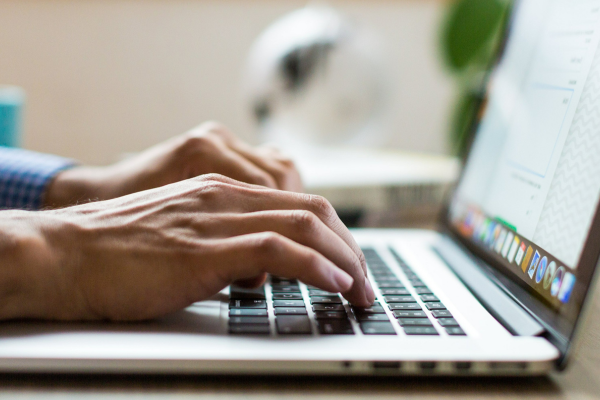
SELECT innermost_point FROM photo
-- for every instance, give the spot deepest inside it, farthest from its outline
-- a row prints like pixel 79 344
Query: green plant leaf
pixel 468 28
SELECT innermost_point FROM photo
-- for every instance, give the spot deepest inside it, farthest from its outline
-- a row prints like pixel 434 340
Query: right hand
pixel 154 252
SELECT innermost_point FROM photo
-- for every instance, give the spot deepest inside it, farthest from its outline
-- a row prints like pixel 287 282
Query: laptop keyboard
pixel 408 308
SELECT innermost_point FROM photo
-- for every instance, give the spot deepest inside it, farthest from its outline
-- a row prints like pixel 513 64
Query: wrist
pixel 75 185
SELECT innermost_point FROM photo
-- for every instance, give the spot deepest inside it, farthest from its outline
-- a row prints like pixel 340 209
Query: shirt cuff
pixel 25 177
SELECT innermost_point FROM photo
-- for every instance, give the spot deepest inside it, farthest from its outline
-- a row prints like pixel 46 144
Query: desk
pixel 581 381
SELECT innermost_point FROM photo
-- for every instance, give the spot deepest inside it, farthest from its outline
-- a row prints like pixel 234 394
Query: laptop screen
pixel 530 190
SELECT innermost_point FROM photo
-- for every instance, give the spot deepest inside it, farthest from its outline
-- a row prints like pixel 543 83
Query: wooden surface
pixel 580 381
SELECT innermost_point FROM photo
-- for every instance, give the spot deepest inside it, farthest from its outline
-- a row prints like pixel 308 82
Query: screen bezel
pixel 561 335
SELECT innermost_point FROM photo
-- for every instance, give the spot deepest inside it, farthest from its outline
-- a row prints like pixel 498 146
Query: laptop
pixel 500 289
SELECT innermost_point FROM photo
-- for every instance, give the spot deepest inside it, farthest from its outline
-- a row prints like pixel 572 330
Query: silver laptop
pixel 499 290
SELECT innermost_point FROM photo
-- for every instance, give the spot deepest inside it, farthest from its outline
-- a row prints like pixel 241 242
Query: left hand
pixel 208 148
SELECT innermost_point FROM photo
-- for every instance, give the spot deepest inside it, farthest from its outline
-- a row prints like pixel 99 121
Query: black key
pixel 390 285
pixel 379 268
pixel 417 283
pixel 375 304
pixel 441 314
pixel 404 306
pixel 293 325
pixel 250 329
pixel 325 300
pixel 409 314
pixel 447 322
pixel 287 296
pixel 311 287
pixel 288 303
pixel 328 307
pixel 400 299
pixel 420 330
pixel 290 311
pixel 285 289
pixel 284 284
pixel 283 281
pixel 381 274
pixel 331 315
pixel 396 292
pixel 377 328
pixel 249 320
pixel 455 331
pixel 423 290
pixel 312 293
pixel 435 306
pixel 414 322
pixel 411 275
pixel 247 304
pixel 239 293
pixel 400 292
pixel 429 297
pixel 335 327
pixel 395 298
pixel 372 317
pixel 374 264
pixel 248 312
pixel 374 309
pixel 387 279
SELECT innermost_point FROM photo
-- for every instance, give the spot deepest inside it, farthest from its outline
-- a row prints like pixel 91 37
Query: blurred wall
pixel 104 77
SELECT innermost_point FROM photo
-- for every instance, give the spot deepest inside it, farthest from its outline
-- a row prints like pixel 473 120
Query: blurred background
pixel 106 78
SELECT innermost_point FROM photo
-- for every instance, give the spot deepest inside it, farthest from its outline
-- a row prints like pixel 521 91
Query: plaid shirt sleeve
pixel 25 176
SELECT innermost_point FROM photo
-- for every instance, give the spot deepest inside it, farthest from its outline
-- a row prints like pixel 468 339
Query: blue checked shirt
pixel 25 176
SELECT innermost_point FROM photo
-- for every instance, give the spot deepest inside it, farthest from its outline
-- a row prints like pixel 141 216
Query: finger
pixel 302 227
pixel 248 256
pixel 229 181
pixel 282 169
pixel 245 198
pixel 252 282
pixel 251 200
pixel 234 165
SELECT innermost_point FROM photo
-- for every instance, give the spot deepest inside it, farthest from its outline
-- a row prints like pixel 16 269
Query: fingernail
pixel 343 280
pixel 369 293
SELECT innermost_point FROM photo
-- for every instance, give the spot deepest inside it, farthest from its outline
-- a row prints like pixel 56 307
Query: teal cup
pixel 12 99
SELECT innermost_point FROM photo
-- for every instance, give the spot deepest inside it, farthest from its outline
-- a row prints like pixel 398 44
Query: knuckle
pixel 287 163
pixel 269 244
pixel 311 260
pixel 212 177
pixel 320 205
pixel 196 141
pixel 361 258
pixel 304 221
pixel 280 174
pixel 212 190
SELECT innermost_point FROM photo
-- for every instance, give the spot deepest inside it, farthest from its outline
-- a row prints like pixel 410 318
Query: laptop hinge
pixel 508 312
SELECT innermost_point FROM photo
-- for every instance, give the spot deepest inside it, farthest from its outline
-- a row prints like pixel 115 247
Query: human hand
pixel 208 148
pixel 150 253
